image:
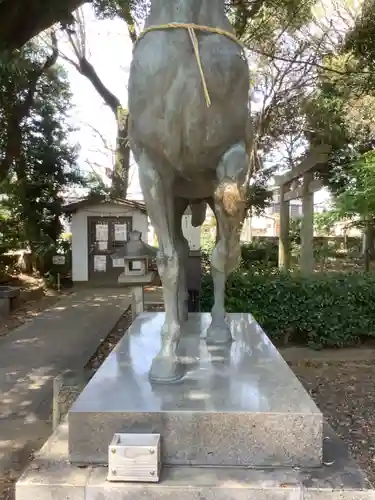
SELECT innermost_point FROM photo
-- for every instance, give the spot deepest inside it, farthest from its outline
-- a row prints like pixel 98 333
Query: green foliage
pixel 341 110
pixel 361 40
pixel 261 253
pixel 261 15
pixel 255 256
pixel 45 163
pixel 264 20
pixel 257 198
pixel 319 311
pixel 325 221
pixel 51 270
pixel 358 200
pixel 121 8
pixel 295 230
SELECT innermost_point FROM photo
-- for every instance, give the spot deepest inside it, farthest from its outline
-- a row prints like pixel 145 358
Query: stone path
pixel 60 338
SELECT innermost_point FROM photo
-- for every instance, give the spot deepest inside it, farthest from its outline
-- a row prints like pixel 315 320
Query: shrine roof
pixel 75 206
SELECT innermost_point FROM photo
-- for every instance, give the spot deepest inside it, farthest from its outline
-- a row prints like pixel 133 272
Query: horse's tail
pixel 198 213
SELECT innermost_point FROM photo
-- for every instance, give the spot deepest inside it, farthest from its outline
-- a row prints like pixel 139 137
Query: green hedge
pixel 320 311
pixel 256 254
pixel 265 253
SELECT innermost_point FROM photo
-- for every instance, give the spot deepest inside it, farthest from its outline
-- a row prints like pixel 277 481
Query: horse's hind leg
pixel 158 195
pixel 229 208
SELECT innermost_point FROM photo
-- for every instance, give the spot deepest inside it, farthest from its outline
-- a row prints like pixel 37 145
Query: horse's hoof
pixel 166 370
pixel 218 333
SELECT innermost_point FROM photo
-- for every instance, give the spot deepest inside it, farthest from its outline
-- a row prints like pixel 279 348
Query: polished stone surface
pixel 51 477
pixel 237 405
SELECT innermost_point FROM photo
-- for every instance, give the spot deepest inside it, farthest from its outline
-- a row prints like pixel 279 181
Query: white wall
pixel 79 247
pixel 192 234
pixel 80 235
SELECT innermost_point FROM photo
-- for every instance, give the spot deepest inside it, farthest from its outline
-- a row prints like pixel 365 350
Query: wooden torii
pixel 285 183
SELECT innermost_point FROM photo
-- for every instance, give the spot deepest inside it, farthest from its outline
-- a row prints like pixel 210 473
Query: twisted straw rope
pixel 192 28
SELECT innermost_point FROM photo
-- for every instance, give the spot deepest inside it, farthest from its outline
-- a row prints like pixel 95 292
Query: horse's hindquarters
pixel 168 106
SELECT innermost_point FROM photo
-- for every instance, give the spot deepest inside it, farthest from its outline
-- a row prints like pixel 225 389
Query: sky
pixel 109 49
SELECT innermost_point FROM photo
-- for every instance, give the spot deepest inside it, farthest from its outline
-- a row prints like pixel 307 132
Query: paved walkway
pixel 63 337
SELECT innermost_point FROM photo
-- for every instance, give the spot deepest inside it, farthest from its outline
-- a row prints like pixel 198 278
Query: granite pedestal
pixel 52 477
pixel 240 405
pixel 236 407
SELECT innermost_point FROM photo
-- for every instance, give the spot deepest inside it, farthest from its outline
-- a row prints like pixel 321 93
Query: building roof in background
pixel 73 207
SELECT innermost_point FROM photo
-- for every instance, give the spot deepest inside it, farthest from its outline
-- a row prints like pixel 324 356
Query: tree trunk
pixel 120 178
pixel 22 20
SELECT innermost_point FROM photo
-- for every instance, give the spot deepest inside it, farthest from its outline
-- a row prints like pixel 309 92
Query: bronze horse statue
pixel 188 131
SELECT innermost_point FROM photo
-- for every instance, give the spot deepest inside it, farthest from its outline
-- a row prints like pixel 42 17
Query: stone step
pixel 237 405
pixel 52 477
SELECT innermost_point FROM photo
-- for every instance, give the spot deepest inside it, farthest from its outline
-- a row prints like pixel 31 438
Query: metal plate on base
pixel 134 457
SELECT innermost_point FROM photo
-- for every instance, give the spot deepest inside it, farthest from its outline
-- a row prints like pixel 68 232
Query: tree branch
pixel 21 21
pixel 88 70
pixel 77 40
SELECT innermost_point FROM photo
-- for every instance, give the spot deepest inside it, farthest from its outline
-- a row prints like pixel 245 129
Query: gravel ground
pixel 28 310
pixel 345 394
pixel 110 342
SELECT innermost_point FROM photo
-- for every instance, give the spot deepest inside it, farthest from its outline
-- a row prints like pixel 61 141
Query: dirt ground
pixel 35 298
pixel 345 393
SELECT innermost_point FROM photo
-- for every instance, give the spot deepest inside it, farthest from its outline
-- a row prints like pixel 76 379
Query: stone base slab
pixel 238 404
pixel 52 477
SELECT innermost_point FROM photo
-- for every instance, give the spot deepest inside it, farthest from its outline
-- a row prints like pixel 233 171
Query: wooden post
pixel 284 245
pixel 307 228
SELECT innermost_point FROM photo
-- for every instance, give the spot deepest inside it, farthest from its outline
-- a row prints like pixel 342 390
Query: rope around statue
pixel 192 28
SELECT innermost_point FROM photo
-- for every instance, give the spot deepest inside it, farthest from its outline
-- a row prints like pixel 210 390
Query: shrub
pixel 320 311
pixel 46 265
pixel 257 254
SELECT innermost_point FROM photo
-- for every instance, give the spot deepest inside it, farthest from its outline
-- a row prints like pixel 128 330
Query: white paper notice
pixel 100 263
pixel 118 262
pixel 120 232
pixel 102 245
pixel 101 232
